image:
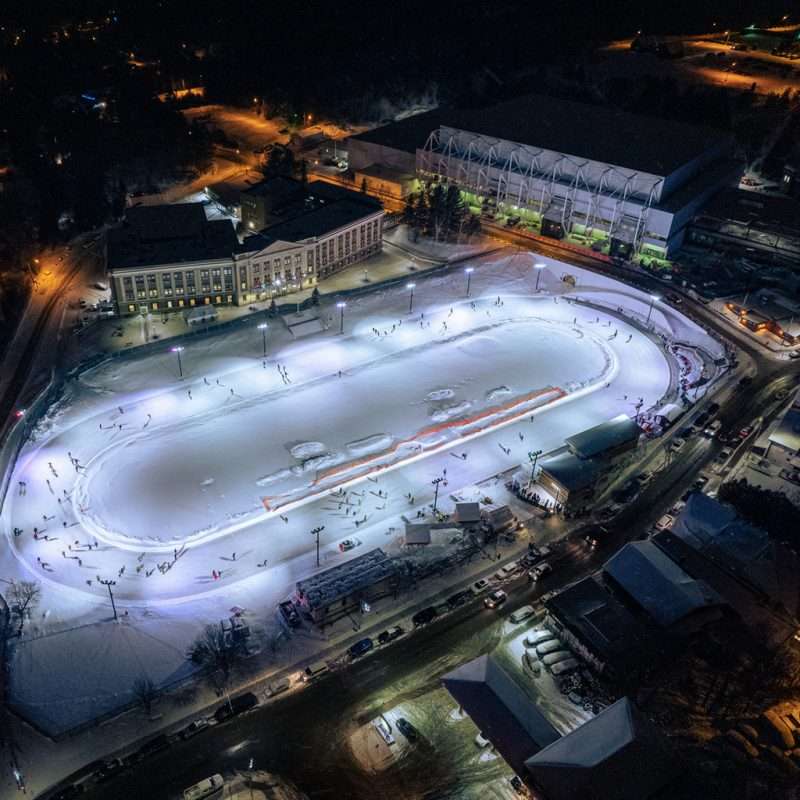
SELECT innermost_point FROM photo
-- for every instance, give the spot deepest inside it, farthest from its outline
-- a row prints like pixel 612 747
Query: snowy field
pixel 177 488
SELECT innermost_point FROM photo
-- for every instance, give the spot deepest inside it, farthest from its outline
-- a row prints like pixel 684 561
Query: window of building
pixel 127 284
pixel 140 292
pixel 131 308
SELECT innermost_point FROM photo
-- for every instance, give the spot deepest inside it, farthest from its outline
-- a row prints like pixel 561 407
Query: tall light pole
pixel 533 457
pixel 538 267
pixel 436 482
pixel 263 328
pixel 410 287
pixel 108 584
pixel 316 532
pixel 468 271
pixel 178 350
pixel 654 298
pixel 341 306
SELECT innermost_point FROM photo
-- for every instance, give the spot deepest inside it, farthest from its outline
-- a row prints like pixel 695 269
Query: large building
pixel 564 167
pixel 171 257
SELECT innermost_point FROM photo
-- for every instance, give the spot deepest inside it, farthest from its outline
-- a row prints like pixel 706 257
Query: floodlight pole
pixel 436 482
pixel 108 584
pixel 316 532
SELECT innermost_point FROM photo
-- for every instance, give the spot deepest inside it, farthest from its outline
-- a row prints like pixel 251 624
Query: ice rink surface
pixel 177 488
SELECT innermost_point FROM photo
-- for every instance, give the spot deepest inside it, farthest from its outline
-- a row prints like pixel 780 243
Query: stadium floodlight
pixel 468 272
pixel 178 349
pixel 411 287
pixel 538 267
pixel 341 305
pixel 263 328
pixel 654 298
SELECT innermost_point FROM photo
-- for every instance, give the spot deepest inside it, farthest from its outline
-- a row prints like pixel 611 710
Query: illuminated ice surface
pixel 242 470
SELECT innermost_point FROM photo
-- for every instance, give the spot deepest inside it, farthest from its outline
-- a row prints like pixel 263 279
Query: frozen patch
pixel 443 414
pixel 499 391
pixel 275 477
pixel 317 462
pixel 439 394
pixel 370 444
pixel 306 450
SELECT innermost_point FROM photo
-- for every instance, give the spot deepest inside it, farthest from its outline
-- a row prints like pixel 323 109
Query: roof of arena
pixel 592 132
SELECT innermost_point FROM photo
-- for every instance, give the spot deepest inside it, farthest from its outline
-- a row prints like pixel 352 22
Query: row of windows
pixel 140 287
pixel 167 305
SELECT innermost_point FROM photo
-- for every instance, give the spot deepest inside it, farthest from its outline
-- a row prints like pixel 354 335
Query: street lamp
pixel 410 287
pixel 533 457
pixel 263 328
pixel 468 271
pixel 436 482
pixel 654 298
pixel 108 584
pixel 316 532
pixel 538 267
pixel 178 350
pixel 341 306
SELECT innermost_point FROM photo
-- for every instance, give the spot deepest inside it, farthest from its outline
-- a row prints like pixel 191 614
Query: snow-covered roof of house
pixel 787 434
pixel 616 755
pixel 505 714
pixel 603 623
pixel 714 529
pixel 571 472
pixel 603 437
pixel 658 584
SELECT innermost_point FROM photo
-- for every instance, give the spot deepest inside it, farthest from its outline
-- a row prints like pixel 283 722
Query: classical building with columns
pixel 171 257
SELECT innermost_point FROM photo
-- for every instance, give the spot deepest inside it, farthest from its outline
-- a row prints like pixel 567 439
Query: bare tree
pixel 214 650
pixel 24 596
pixel 144 692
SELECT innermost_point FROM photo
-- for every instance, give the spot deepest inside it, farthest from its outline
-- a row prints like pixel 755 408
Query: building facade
pixel 170 258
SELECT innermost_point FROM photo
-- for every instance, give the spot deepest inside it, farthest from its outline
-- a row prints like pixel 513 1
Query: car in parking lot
pixel 360 648
pixel 539 571
pixel 109 769
pixel 193 728
pixel 701 481
pixel 506 571
pixel 407 729
pixel 482 741
pixel 665 523
pixel 495 599
pixel 521 614
pixel 479 586
pixel 459 598
pixel 677 445
pixel 389 635
pixel 424 617
pixel 745 432
pixel 537 637
pixel 348 544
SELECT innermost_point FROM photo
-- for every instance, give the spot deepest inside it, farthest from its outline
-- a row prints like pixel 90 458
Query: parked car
pixel 207 788
pixel 109 769
pixel 277 687
pixel 506 571
pixel 539 571
pixel 384 637
pixel 665 522
pixel 360 648
pixel 564 667
pixel 537 637
pixel 479 586
pixel 424 617
pixel 677 445
pixel 235 706
pixel 314 671
pixel 495 599
pixel 701 481
pixel 550 646
pixel 482 741
pixel 745 432
pixel 521 614
pixel 459 598
pixel 152 747
pixel 407 729
pixel 348 544
pixel 713 429
pixel 193 728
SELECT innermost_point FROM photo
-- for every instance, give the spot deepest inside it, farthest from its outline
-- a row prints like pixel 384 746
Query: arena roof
pixel 585 131
pixel 604 437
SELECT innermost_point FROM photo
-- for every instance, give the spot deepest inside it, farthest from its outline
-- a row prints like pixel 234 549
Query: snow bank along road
pixel 162 483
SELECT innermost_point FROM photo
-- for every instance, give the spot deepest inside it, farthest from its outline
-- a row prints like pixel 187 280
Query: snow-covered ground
pixel 226 471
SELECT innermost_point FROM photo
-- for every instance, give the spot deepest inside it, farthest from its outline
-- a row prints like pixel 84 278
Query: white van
pixel 209 787
pixel 314 670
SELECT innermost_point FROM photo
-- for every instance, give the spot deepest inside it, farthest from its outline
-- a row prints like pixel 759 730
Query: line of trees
pixel 440 212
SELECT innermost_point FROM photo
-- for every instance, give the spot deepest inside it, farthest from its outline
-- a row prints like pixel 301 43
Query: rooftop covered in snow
pixel 657 584
pixel 617 433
